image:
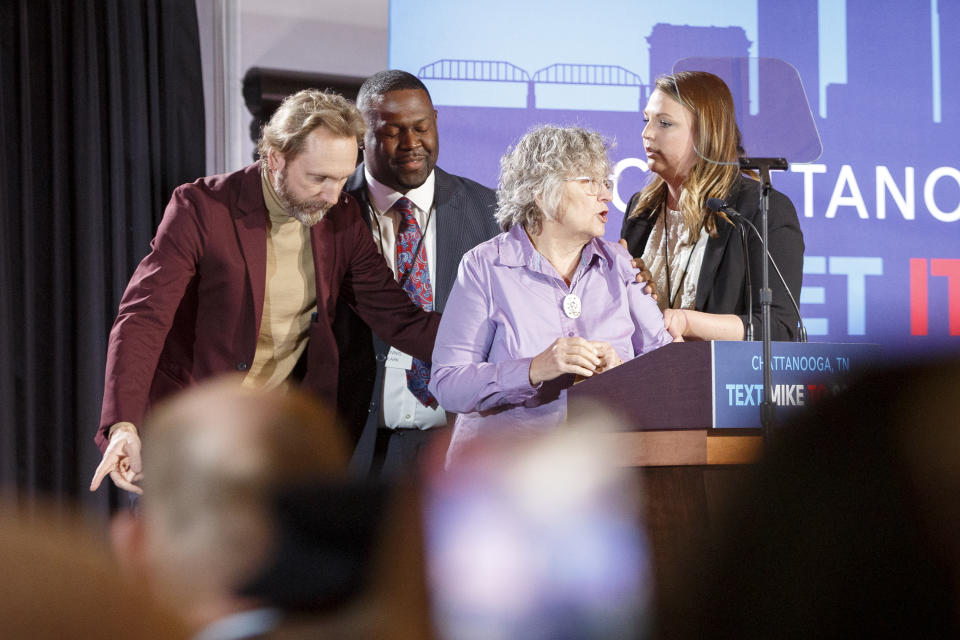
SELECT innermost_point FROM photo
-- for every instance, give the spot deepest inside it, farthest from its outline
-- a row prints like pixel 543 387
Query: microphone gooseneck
pixel 717 205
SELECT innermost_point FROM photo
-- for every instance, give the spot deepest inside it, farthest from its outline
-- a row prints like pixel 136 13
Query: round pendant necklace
pixel 572 307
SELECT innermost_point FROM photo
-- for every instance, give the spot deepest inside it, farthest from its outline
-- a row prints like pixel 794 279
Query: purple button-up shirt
pixel 507 307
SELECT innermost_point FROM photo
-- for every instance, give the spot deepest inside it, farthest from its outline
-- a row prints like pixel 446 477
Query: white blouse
pixel 685 260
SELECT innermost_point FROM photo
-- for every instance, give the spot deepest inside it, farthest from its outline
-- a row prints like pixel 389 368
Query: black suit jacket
pixel 721 287
pixel 464 215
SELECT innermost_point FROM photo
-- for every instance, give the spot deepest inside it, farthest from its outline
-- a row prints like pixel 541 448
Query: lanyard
pixel 423 234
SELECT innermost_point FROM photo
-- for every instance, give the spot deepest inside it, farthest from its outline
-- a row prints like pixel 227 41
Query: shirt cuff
pixel 514 378
pixel 116 426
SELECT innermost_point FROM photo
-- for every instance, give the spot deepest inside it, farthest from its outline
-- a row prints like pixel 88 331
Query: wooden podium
pixel 664 399
pixel 688 471
pixel 671 402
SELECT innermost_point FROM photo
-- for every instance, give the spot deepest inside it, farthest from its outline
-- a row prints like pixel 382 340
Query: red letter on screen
pixel 951 270
pixel 918 296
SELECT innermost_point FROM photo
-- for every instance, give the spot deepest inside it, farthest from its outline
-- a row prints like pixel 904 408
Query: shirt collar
pixel 595 249
pixel 244 624
pixel 383 197
pixel 517 250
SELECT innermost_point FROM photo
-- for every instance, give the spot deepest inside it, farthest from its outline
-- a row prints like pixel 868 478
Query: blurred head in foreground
pixel 537 538
pixel 851 527
pixel 216 456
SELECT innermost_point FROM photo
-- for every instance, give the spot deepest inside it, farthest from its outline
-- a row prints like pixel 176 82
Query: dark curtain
pixel 101 117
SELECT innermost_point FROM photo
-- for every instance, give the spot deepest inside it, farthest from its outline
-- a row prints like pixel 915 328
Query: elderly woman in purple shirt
pixel 543 302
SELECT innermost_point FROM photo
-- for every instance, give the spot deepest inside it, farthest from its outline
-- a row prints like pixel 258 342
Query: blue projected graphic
pixel 880 209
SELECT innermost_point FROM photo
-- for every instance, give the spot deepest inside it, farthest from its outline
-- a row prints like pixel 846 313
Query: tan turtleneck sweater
pixel 289 300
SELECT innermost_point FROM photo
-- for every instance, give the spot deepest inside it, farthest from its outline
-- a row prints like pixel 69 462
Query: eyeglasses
pixel 593 186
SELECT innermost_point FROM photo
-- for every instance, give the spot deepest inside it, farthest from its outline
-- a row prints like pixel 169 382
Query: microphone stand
pixel 744 242
pixel 767 407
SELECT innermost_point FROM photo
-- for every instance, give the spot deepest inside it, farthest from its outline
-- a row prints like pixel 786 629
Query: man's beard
pixel 308 212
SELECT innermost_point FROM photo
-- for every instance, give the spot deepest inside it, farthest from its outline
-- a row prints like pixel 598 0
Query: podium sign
pixel 802 372
pixel 717 385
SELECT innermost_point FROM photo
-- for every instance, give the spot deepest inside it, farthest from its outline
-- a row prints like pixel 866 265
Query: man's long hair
pixel 301 113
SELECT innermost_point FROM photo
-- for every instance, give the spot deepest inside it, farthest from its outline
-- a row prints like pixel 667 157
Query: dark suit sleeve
pixel 634 230
pixel 370 290
pixel 786 249
pixel 146 313
pixel 466 216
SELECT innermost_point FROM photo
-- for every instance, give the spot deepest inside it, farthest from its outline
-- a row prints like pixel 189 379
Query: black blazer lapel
pixel 726 240
pixel 637 229
pixel 250 221
pixel 712 256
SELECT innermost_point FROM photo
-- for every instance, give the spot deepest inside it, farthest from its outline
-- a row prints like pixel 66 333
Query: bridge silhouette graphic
pixel 555 74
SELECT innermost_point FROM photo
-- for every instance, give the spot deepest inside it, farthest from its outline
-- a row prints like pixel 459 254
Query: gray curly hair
pixel 536 168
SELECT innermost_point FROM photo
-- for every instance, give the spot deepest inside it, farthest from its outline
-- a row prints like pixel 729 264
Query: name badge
pixel 397 359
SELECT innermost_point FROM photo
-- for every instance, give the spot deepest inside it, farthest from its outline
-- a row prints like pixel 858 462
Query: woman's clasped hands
pixel 573 355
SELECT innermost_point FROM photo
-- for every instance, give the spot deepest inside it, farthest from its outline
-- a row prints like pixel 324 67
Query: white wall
pixel 348 37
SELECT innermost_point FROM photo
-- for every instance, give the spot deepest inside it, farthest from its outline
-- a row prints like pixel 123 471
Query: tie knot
pixel 404 206
pixel 407 219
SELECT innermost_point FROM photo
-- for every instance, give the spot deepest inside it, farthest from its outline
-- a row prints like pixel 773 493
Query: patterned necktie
pixel 415 279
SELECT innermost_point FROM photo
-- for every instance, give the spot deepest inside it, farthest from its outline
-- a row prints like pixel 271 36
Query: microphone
pixel 717 205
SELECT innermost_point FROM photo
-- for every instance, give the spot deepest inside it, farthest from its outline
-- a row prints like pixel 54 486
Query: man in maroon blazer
pixel 244 274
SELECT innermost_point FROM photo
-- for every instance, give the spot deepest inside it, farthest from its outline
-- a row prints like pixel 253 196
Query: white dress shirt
pixel 400 408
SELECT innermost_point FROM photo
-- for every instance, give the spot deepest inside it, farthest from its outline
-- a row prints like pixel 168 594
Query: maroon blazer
pixel 192 308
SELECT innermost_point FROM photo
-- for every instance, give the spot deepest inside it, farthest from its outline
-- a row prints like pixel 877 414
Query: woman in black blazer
pixel 695 256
